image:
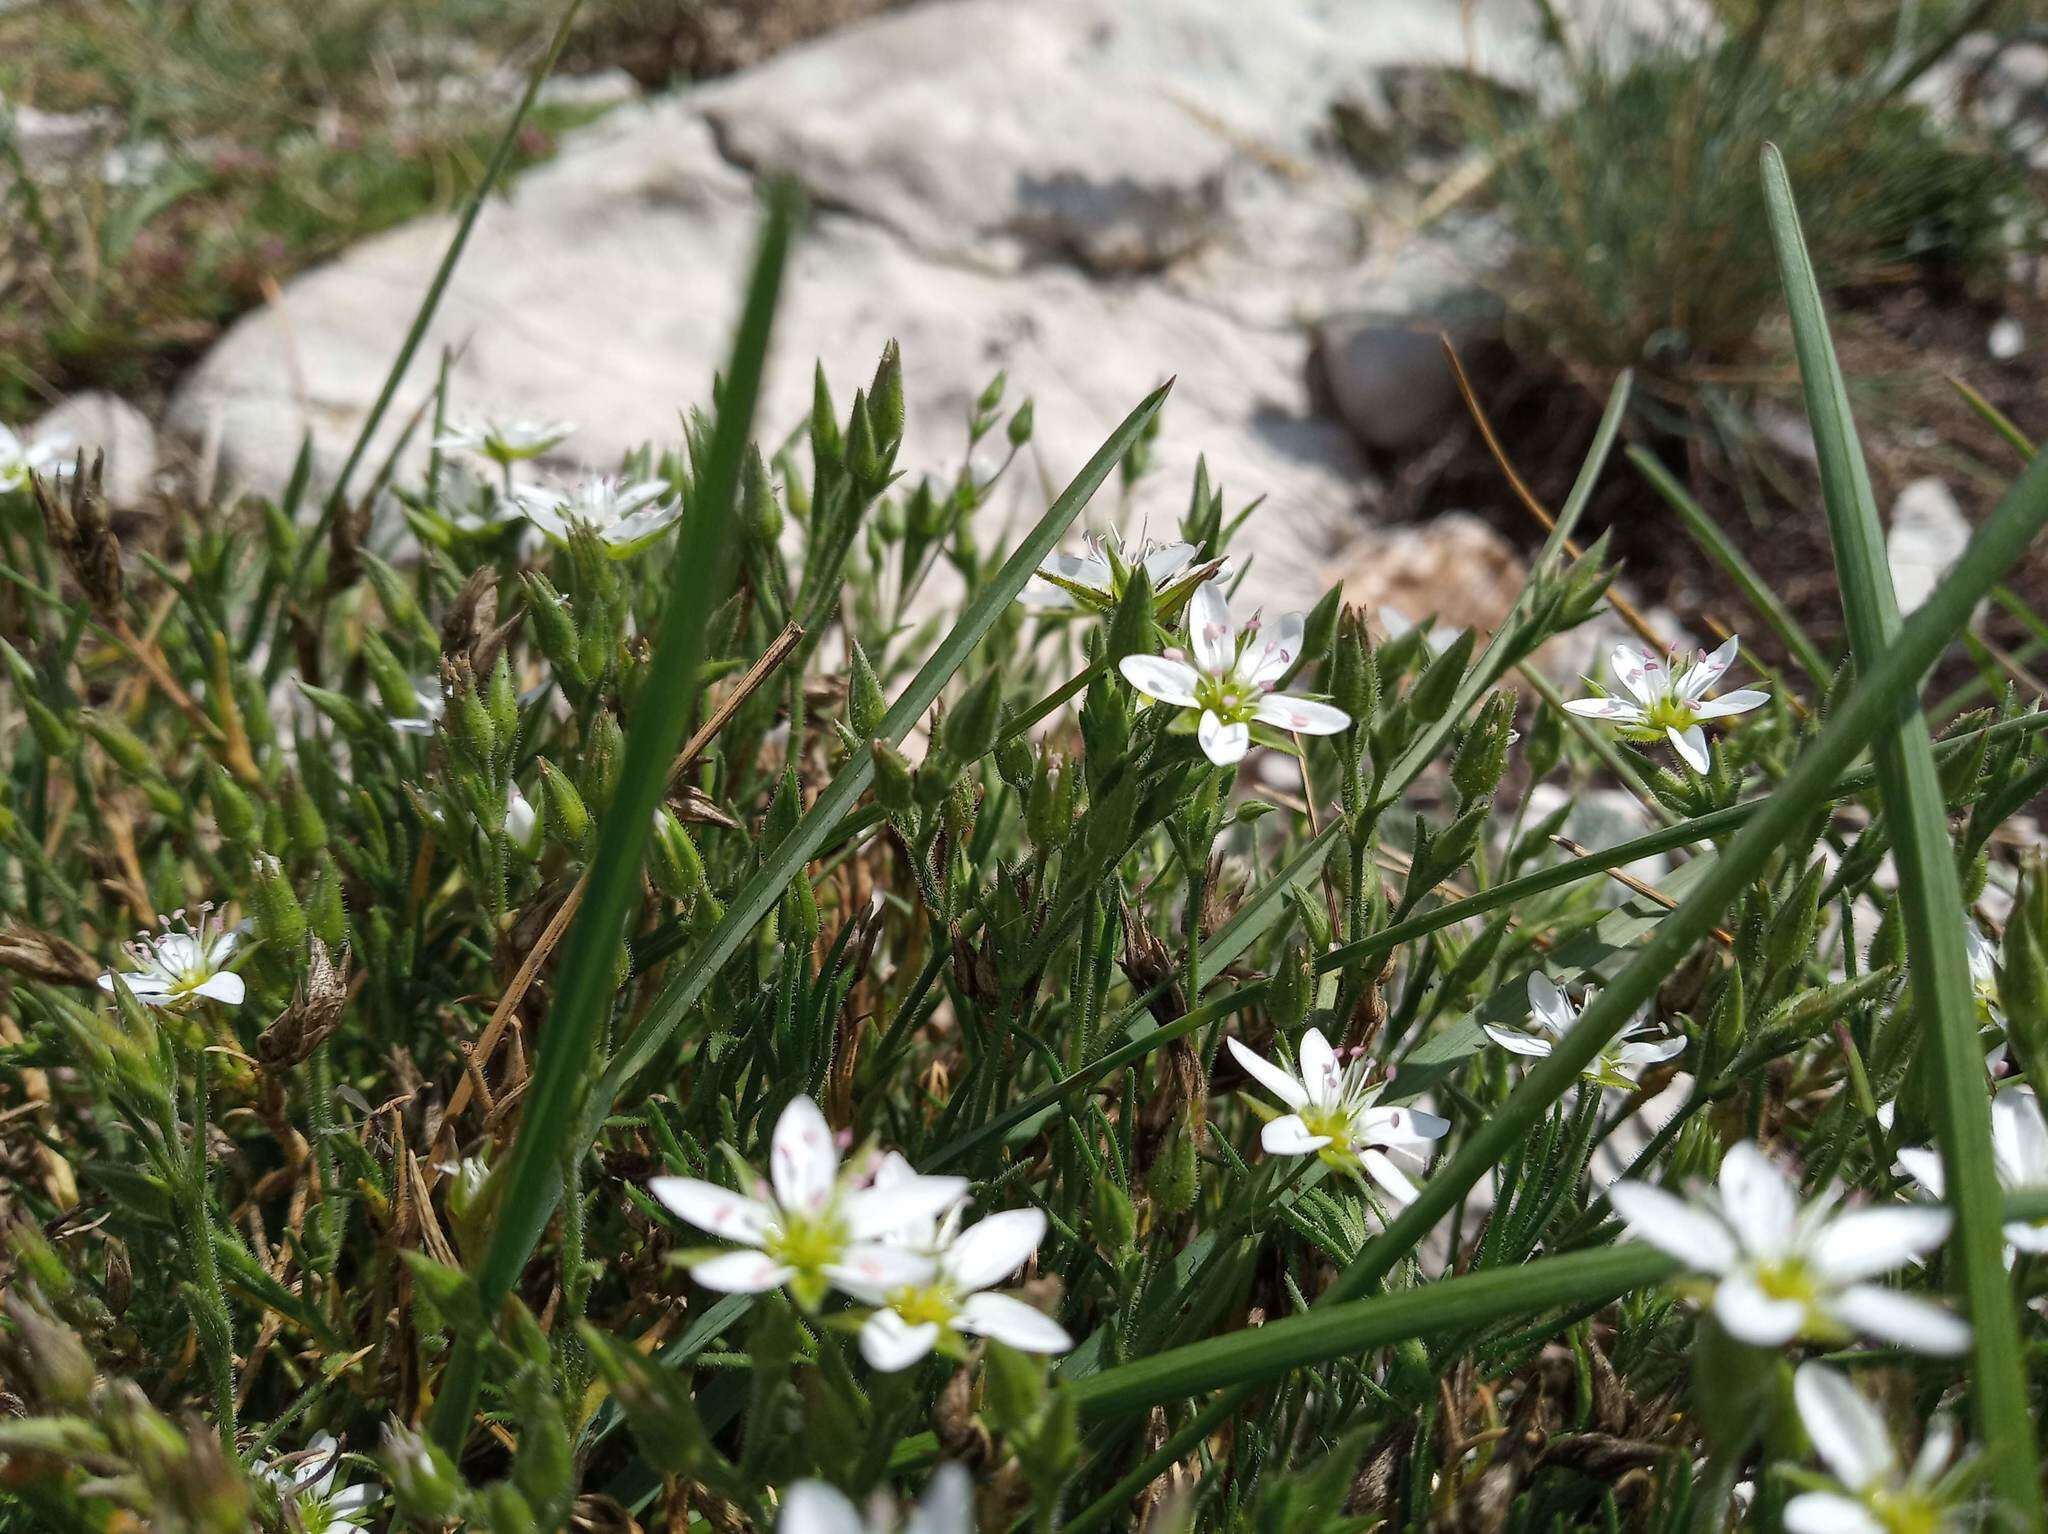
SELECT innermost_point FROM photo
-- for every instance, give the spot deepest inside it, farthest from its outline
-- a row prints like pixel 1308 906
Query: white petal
pixel 1011 1321
pixel 1320 1072
pixel 889 1343
pixel 2031 1239
pixel 1275 650
pixel 1619 709
pixel 1224 744
pixel 947 1506
pixel 2019 1137
pixel 1167 681
pixel 1936 1450
pixel 1304 716
pixel 1866 1242
pixel 1519 1042
pixel 712 1208
pixel 1549 1008
pixel 741 1272
pixel 1090 570
pixel 1672 1225
pixel 1906 1319
pixel 1162 564
pixel 803 1160
pixel 1399 1126
pixel 1922 1163
pixel 1846 1429
pixel 990 1250
pixel 226 988
pixel 1634 670
pixel 1750 1315
pixel 349 1498
pixel 1691 744
pixel 1041 595
pixel 884 1209
pixel 812 1507
pixel 1389 1177
pixel 1269 1076
pixel 1827 1512
pixel 1707 670
pixel 642 525
pixel 1289 1136
pixel 1758 1199
pixel 1740 701
pixel 1649 1051
pixel 1210 632
pixel 872 1267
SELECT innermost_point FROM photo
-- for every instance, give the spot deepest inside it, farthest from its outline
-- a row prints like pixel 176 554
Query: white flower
pixel 305 1483
pixel 1785 1272
pixel 812 1507
pixel 19 459
pixel 1231 679
pixel 808 1227
pixel 1667 706
pixel 912 1319
pixel 1877 1495
pixel 522 823
pixel 503 442
pixel 1337 1116
pixel 182 963
pixel 622 516
pixel 1551 1015
pixel 2019 1152
pixel 1094 581
pixel 429 705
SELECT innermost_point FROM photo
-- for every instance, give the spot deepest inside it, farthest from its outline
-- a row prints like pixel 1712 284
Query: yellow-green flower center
pixel 1670 713
pixel 1787 1278
pixel 1226 697
pixel 933 1304
pixel 1906 1511
pixel 808 1243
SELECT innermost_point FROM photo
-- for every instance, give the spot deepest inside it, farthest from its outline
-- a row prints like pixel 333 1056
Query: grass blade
pixel 701 571
pixel 1930 893
pixel 1706 532
pixel 759 894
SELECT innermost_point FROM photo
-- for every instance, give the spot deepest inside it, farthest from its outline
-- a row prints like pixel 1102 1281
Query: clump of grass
pixel 1637 211
pixel 647 1013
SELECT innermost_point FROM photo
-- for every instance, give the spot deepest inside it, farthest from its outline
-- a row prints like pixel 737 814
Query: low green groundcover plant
pixel 654 1010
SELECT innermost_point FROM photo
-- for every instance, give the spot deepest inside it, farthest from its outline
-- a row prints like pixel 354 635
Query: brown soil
pixel 1899 345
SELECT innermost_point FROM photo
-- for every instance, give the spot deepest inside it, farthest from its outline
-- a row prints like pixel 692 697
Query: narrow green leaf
pixel 1930 893
pixel 701 571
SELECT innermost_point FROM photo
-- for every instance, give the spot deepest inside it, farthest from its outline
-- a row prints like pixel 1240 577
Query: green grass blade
pixel 1871 707
pixel 1706 532
pixel 759 894
pixel 1930 893
pixel 701 571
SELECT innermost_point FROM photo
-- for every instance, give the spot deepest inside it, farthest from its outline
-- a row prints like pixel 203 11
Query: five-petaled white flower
pixel 1877 1494
pixel 1337 1115
pixel 1664 705
pixel 182 963
pixel 1094 581
pixel 1551 1015
pixel 623 517
pixel 20 459
pixel 812 1507
pixel 1782 1271
pixel 1230 683
pixel 305 1484
pixel 503 442
pixel 807 1227
pixel 910 1320
pixel 2019 1152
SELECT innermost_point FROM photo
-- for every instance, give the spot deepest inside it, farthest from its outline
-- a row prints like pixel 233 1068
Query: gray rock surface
pixel 97 422
pixel 1092 194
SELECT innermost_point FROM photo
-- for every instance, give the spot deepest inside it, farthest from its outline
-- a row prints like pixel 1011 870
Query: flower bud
pixel 1173 1180
pixel 865 704
pixel 326 912
pixel 554 630
pixel 760 512
pixel 523 833
pixel 1019 430
pixel 601 756
pixel 895 780
pixel 503 703
pixel 1204 519
pixel 1433 690
pixel 279 919
pixel 971 728
pixel 120 743
pixel 1294 989
pixel 885 400
pixel 1354 678
pixel 1130 629
pixel 1014 761
pixel 1482 757
pixel 392 681
pixel 672 861
pixel 826 450
pixel 1115 1222
pixel 568 822
pixel 233 810
pixel 423 1479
